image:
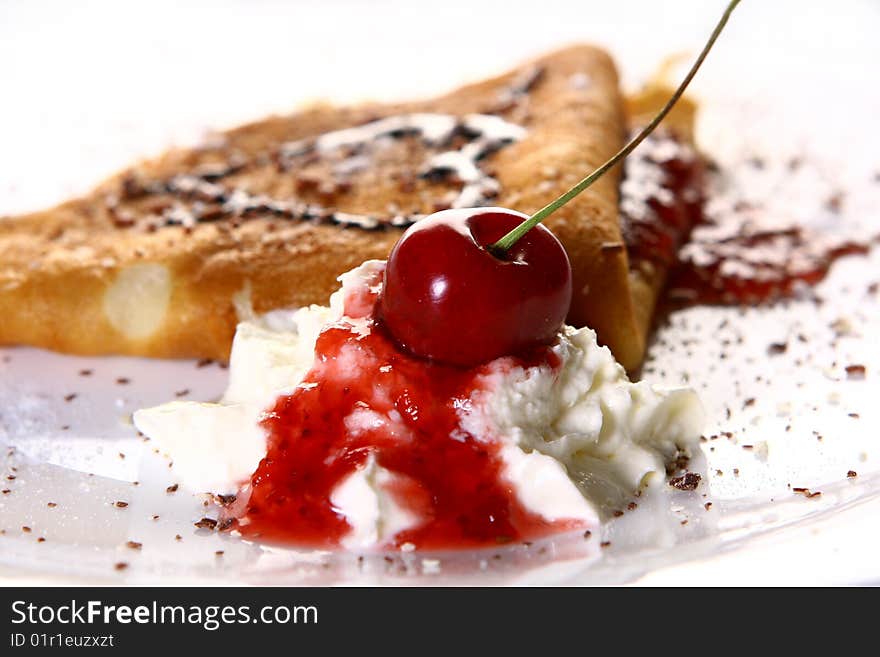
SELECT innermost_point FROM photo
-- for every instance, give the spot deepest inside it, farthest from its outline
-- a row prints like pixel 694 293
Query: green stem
pixel 511 238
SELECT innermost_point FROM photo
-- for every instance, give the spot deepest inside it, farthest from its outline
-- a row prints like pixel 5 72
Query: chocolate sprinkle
pixel 688 481
pixel 206 523
pixel 856 372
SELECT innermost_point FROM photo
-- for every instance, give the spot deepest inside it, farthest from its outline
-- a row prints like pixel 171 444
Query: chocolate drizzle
pixel 213 202
pixel 517 92
pixel 483 134
pixel 457 147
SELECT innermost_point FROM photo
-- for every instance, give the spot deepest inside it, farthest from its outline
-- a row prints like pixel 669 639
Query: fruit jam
pixel 364 397
pixel 729 253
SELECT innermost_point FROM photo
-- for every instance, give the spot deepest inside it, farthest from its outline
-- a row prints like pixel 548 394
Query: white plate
pixel 775 87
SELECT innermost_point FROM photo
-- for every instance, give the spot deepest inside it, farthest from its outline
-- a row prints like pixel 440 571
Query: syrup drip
pixel 660 199
pixel 753 265
pixel 717 252
pixel 364 398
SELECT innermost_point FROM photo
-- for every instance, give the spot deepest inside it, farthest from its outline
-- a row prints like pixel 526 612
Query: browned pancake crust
pixel 70 277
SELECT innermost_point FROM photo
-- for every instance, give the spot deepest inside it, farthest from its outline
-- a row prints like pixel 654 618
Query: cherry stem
pixel 502 245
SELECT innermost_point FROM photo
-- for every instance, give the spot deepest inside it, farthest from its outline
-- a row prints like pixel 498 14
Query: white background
pixel 88 85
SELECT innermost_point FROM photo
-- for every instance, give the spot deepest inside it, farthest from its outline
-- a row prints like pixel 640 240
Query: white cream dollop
pixel 613 437
pixel 575 439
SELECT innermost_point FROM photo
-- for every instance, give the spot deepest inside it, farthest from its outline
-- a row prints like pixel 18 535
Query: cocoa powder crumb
pixel 688 481
pixel 852 473
pixel 134 545
pixel 756 162
pixel 855 372
pixel 120 566
pixel 120 504
pixel 172 488
pixel 206 523
pixel 835 202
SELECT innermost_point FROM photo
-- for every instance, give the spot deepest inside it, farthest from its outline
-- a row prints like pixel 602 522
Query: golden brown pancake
pixel 160 259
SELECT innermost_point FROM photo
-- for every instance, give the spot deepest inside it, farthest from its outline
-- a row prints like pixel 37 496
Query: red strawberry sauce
pixel 365 397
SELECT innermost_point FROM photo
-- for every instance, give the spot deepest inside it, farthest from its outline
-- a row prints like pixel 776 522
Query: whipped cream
pixel 612 437
pixel 576 438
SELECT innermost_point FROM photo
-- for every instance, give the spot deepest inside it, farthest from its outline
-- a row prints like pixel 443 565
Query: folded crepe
pixel 163 259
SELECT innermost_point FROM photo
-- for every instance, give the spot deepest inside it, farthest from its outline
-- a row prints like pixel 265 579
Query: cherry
pixel 447 298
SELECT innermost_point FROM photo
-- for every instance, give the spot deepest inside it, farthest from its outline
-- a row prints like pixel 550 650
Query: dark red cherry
pixel 447 298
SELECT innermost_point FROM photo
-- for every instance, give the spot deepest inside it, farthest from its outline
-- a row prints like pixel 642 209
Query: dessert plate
pixel 790 453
